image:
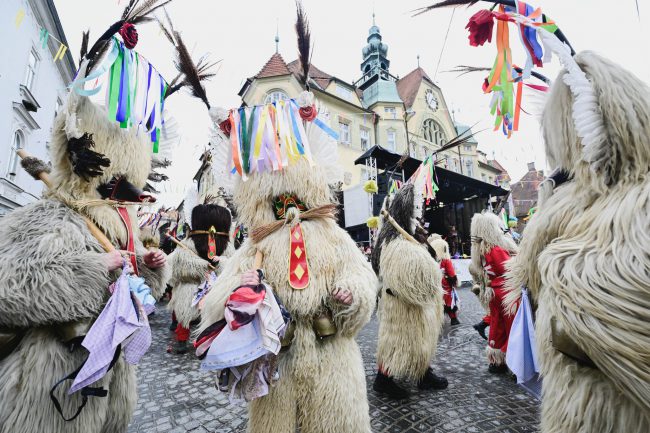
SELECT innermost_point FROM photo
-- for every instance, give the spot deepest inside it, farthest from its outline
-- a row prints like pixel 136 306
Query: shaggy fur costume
pixel 188 272
pixel 52 272
pixel 411 318
pixel 585 259
pixel 322 386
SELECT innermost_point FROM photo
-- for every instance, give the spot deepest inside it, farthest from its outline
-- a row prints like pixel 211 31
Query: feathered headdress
pixel 541 37
pixel 273 136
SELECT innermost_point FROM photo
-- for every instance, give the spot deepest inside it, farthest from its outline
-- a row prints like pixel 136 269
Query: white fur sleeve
pixel 355 275
pixel 51 268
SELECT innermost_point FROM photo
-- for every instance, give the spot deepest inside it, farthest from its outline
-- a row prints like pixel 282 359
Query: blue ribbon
pixel 78 84
pixel 329 131
pixel 124 90
pixel 296 132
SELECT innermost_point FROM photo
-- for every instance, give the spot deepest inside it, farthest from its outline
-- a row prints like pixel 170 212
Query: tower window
pixel 275 95
pixel 432 131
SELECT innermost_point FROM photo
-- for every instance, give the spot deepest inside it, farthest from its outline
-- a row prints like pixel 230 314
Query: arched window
pixel 275 95
pixel 432 131
pixel 17 143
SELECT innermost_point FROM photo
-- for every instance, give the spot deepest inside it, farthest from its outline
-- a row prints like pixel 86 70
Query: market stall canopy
pixel 453 186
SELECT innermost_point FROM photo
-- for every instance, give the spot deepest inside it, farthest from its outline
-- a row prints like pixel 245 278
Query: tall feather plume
pixel 144 10
pixel 442 4
pixel 186 66
pixel 304 42
pixel 460 139
pixel 464 69
pixel 84 45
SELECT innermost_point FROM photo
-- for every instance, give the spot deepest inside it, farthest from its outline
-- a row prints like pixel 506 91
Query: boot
pixel 432 381
pixel 480 328
pixel 180 347
pixel 454 321
pixel 387 386
pixel 498 368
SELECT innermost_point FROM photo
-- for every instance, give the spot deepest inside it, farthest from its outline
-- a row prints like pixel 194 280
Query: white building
pixel 32 89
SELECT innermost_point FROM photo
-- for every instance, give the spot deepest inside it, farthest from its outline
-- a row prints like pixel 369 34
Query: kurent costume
pixel 584 252
pixel 410 307
pixel 54 278
pixel 449 277
pixel 206 250
pixel 491 249
pixel 285 157
pixel 321 385
pixel 584 257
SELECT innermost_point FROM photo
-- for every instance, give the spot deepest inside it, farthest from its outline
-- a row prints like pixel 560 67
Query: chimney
pixel 531 166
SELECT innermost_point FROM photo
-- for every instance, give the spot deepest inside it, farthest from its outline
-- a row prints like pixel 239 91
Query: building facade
pixel 524 194
pixel 32 90
pixel 407 115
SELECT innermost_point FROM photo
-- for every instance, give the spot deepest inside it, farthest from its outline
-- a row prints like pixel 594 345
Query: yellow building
pixel 406 115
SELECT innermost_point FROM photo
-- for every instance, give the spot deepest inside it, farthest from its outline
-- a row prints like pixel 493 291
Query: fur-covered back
pixel 584 257
pixel 254 197
pixel 412 290
pixel 401 209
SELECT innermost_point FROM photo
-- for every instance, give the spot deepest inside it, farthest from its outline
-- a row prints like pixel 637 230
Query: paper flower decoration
pixel 373 222
pixel 129 35
pixel 370 187
pixel 480 27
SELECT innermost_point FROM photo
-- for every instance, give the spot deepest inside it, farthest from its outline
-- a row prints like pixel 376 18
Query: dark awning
pixel 453 186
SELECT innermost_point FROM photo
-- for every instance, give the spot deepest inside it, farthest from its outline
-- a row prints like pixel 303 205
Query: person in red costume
pixel 491 250
pixel 449 278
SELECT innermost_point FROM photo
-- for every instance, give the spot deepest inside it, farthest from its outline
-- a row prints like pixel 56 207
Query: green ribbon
pixel 114 92
pixel 247 131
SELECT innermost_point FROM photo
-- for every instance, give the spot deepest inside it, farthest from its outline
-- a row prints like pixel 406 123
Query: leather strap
pixel 130 246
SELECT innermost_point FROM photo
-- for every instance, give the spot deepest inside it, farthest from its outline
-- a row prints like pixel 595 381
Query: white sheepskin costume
pixel 322 386
pixel 52 274
pixel 584 257
pixel 410 307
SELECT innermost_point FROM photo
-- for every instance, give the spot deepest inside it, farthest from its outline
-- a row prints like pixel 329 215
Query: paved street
pixel 174 396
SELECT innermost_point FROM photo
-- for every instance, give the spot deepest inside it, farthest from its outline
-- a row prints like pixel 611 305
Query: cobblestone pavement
pixel 175 397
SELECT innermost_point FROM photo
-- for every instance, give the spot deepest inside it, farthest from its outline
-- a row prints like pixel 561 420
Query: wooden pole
pixel 186 248
pixel 403 232
pixel 94 230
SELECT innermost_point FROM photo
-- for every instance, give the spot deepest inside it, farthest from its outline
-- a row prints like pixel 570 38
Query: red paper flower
pixel 225 127
pixel 308 113
pixel 129 35
pixel 480 27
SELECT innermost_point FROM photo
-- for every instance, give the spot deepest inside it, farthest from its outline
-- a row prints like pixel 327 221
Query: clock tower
pixel 377 84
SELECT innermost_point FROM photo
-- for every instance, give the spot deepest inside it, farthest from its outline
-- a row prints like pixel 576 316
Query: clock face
pixel 432 101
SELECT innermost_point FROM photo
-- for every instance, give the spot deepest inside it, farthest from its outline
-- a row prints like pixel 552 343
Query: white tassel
pixel 587 117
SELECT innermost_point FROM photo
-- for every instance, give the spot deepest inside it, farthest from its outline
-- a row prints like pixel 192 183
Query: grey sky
pixel 242 32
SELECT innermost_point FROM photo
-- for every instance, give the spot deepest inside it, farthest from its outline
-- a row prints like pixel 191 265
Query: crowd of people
pixel 273 317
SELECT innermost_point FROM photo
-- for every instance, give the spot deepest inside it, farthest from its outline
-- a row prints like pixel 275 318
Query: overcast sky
pixel 242 34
